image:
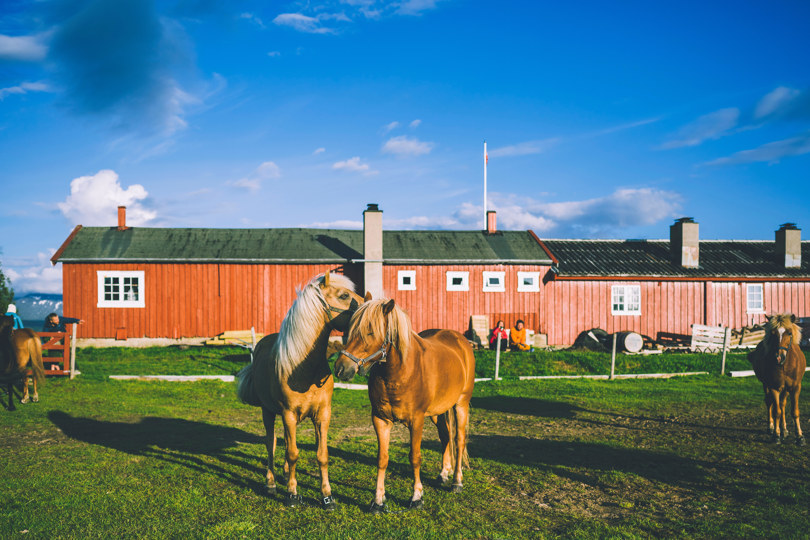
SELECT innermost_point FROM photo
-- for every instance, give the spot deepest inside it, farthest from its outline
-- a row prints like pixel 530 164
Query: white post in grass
pixel 726 339
pixel 613 358
pixel 497 356
pixel 73 352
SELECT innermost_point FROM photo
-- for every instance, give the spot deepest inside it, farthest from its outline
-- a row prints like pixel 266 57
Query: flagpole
pixel 485 184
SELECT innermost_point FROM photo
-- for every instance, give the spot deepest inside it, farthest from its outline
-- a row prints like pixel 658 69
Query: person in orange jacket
pixel 517 337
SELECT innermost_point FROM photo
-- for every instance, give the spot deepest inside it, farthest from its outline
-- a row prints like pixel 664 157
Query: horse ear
pixel 793 317
pixel 367 297
pixel 388 307
pixel 325 283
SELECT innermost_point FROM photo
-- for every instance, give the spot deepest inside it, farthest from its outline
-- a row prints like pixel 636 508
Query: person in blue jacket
pixel 12 312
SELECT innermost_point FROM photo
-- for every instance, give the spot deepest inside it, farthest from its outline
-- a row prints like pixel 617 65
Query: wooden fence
pixel 58 342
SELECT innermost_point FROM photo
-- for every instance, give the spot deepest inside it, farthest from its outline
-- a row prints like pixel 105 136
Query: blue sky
pixel 602 119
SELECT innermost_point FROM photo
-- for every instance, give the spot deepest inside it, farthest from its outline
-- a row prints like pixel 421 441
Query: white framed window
pixel 406 280
pixel 494 281
pixel 754 299
pixel 458 281
pixel 528 282
pixel 625 300
pixel 120 289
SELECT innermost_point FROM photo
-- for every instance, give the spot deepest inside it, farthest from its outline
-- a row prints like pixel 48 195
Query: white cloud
pixel 302 23
pixel 37 275
pixel 707 127
pixel 22 48
pixel 320 150
pixel 776 100
pixel 354 165
pixel 94 200
pixel 274 54
pixel 24 88
pixel 768 153
pixel 253 182
pixel 415 123
pixel 524 148
pixel 252 18
pixel 415 7
pixel 390 127
pixel 406 146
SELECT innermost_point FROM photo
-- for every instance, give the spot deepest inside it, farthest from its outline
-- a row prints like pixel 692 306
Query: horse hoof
pixel 415 505
pixel 776 439
pixel 800 441
pixel 456 488
pixel 35 399
pixel 270 491
pixel 375 508
pixel 293 500
pixel 443 481
pixel 329 504
pixel 25 400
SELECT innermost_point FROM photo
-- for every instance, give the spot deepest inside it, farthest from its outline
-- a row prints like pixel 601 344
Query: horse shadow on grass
pixel 541 408
pixel 206 448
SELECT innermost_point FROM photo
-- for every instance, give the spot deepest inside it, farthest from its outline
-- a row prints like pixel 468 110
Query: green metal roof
pixel 137 244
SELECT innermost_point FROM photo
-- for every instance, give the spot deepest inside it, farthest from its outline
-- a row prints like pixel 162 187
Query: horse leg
pixel 321 423
pixel 783 408
pixel 26 398
pixel 775 416
pixel 444 438
pixel 417 427
pixel 269 420
pixel 794 398
pixel 769 411
pixel 383 430
pixel 290 425
pixel 462 419
pixel 11 406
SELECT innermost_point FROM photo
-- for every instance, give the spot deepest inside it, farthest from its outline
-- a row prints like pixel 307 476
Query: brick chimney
pixel 373 250
pixel 789 245
pixel 491 222
pixel 684 243
pixel 122 218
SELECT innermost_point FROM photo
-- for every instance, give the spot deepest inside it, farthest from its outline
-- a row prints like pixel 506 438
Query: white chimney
pixel 373 251
pixel 789 245
pixel 684 243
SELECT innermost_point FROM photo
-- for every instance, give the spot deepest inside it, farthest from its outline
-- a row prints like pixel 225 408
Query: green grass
pixel 683 457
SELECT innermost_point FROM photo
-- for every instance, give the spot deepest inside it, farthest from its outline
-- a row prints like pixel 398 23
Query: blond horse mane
pixel 371 322
pixel 303 323
pixel 786 321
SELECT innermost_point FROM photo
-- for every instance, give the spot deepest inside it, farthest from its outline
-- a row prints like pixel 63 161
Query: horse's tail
pixel 35 355
pixel 244 388
pixel 451 418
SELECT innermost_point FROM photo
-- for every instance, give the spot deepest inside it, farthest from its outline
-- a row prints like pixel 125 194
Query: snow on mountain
pixel 36 306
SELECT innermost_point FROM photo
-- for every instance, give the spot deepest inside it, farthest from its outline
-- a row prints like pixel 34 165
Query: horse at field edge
pixel 411 376
pixel 18 348
pixel 779 364
pixel 290 376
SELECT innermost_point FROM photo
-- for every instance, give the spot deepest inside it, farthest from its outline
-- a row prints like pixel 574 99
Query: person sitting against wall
pixel 54 323
pixel 517 337
pixel 12 312
pixel 499 330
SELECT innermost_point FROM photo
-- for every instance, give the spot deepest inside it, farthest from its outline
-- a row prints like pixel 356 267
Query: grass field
pixel 683 457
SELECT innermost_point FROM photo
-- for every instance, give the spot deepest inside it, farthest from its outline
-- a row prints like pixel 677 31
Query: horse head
pixel 376 328
pixel 340 300
pixel 782 333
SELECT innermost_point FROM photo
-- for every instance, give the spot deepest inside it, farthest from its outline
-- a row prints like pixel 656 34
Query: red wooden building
pixel 134 282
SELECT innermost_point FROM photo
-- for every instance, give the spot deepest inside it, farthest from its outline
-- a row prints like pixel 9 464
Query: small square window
pixel 406 280
pixel 754 299
pixel 626 300
pixel 493 282
pixel 528 282
pixel 458 281
pixel 120 289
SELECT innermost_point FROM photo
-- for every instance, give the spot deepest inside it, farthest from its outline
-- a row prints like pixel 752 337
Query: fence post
pixel 613 358
pixel 726 339
pixel 73 352
pixel 497 356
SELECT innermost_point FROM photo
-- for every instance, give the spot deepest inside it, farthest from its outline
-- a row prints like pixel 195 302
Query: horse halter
pixel 786 349
pixel 382 354
pixel 330 309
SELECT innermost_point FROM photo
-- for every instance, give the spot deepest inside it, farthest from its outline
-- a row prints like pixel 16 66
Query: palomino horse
pixel 411 376
pixel 290 375
pixel 779 364
pixel 17 349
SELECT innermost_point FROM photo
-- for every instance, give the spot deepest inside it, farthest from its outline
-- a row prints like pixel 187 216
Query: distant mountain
pixel 35 306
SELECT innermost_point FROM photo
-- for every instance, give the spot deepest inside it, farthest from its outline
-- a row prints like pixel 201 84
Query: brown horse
pixel 411 376
pixel 18 348
pixel 780 364
pixel 290 375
